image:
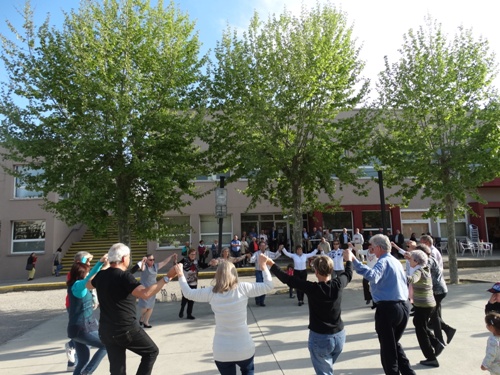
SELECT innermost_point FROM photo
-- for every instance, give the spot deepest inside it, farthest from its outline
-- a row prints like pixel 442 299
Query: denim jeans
pixel 229 368
pixel 324 350
pixel 259 278
pixel 135 340
pixel 82 342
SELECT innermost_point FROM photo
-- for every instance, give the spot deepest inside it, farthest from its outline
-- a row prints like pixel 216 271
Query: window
pixel 212 177
pixel 181 233
pixel 414 222
pixel 20 186
pixel 372 220
pixel 368 171
pixel 209 230
pixel 28 236
pixel 336 221
pixel 460 228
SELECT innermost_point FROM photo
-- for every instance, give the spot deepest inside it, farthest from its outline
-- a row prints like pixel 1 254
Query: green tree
pixel 104 109
pixel 275 93
pixel 440 120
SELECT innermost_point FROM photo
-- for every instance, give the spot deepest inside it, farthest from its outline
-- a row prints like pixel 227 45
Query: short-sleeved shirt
pixel 114 290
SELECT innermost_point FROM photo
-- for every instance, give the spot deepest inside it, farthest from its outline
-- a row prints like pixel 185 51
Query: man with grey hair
pixel 119 329
pixel 428 241
pixel 390 294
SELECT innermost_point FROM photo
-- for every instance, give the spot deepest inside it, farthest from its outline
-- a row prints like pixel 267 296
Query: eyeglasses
pixel 151 259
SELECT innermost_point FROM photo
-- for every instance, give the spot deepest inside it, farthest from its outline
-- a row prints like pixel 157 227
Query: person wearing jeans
pixel 259 300
pixel 324 350
pixel 233 345
pixel 326 328
pixel 82 325
pixel 82 342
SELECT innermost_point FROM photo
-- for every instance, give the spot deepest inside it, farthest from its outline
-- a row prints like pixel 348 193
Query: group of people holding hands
pixel 121 328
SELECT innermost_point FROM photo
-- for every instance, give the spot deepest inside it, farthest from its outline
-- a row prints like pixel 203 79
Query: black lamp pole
pixel 221 220
pixel 382 200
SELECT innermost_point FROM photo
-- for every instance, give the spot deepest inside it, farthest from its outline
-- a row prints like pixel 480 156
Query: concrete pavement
pixel 280 334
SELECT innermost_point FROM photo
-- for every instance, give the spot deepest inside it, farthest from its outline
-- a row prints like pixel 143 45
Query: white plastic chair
pixel 468 246
pixel 485 247
pixel 444 247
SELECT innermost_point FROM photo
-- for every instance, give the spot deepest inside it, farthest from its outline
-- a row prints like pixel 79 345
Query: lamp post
pixel 220 207
pixel 382 200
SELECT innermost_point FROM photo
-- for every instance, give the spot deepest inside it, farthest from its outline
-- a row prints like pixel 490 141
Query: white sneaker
pixel 70 353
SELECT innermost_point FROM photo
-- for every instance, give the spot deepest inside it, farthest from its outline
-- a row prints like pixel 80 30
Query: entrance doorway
pixel 493 226
pixel 283 229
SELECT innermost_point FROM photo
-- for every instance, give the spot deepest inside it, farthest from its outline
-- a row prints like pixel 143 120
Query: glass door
pixel 283 229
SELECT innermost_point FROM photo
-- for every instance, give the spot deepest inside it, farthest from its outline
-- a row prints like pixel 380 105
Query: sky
pixel 378 25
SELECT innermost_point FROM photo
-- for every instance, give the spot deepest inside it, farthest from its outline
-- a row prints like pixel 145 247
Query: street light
pixel 220 207
pixel 382 200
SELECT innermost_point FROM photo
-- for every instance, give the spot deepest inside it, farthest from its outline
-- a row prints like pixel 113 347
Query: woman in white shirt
pixel 233 345
pixel 299 267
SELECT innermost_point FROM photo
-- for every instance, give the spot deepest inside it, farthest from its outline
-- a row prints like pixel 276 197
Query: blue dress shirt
pixel 387 278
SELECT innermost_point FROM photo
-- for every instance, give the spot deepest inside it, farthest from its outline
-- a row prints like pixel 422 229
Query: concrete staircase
pixel 100 246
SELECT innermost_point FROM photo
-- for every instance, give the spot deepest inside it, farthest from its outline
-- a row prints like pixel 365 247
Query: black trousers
pixel 135 340
pixel 302 275
pixel 438 324
pixel 366 290
pixel 391 319
pixel 425 337
pixel 188 302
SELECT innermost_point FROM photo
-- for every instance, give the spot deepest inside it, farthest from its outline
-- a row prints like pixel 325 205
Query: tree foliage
pixel 104 107
pixel 439 110
pixel 275 93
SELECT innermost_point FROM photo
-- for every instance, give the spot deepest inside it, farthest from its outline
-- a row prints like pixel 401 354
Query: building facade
pixel 25 227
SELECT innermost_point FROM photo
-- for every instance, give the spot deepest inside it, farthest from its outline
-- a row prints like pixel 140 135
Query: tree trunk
pixel 123 211
pixel 452 243
pixel 297 215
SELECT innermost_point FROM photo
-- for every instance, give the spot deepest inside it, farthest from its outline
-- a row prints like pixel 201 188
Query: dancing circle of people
pixel 390 288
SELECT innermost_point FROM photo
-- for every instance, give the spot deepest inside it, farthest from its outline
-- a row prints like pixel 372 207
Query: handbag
pixel 29 267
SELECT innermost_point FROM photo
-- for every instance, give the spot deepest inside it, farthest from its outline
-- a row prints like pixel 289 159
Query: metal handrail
pixel 69 234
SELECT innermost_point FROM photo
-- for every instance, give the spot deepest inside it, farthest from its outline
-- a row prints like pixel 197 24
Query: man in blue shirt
pixel 390 295
pixel 235 249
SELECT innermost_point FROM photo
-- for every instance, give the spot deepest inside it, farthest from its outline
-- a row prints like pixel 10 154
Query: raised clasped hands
pixel 104 259
pixel 348 255
pixel 178 270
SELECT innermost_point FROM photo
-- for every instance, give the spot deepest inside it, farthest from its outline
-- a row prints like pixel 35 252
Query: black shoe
pixel 141 323
pixel 430 363
pixel 263 304
pixel 438 349
pixel 301 303
pixel 190 317
pixel 368 301
pixel 292 295
pixel 449 334
pixel 146 325
pixel 181 314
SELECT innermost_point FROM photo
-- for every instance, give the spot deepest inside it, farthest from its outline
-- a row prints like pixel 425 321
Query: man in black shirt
pixel 326 329
pixel 119 329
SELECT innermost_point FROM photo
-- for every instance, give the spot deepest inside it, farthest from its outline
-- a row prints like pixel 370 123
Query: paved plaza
pixel 280 334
